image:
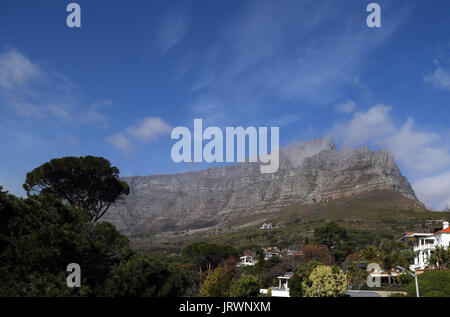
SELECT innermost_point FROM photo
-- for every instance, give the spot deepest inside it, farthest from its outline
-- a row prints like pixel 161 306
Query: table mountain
pixel 309 172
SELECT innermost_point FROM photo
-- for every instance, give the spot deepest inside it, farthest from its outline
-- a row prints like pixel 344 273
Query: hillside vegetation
pixel 368 217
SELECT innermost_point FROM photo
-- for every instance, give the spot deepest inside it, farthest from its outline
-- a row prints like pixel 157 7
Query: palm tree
pixel 439 258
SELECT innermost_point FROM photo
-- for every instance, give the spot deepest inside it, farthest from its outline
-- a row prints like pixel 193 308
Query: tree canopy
pixel 326 282
pixel 218 283
pixel 208 256
pixel 336 239
pixel 40 236
pixel 145 276
pixel 88 182
pixel 246 286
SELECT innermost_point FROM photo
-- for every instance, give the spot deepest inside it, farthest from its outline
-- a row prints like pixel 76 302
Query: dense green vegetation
pixel 40 235
pixel 431 284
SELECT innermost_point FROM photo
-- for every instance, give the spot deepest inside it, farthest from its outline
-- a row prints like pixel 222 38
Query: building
pixel 443 236
pixel 268 226
pixel 246 260
pixel 425 243
pixel 270 255
pixel 282 290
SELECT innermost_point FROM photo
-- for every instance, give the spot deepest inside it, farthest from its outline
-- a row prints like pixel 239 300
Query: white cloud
pixel 440 79
pixel 434 189
pixel 146 129
pixel 347 106
pixel 365 126
pixel 149 128
pixel 121 142
pixel 16 69
pixel 420 151
pixel 173 28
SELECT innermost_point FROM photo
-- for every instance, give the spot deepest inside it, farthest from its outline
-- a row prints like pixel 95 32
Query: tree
pixel 357 278
pixel 316 252
pixel 305 270
pixel 40 236
pixel 336 239
pixel 439 258
pixel 88 182
pixel 208 256
pixel 217 284
pixel 370 253
pixel 246 286
pixel 431 284
pixel 326 282
pixel 145 276
pixel 295 286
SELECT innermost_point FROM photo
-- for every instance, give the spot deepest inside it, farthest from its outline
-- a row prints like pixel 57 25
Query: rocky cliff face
pixel 309 172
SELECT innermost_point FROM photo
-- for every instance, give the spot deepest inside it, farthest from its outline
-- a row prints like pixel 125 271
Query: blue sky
pixel 135 69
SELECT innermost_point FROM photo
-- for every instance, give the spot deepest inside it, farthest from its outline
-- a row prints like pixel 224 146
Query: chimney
pixel 444 225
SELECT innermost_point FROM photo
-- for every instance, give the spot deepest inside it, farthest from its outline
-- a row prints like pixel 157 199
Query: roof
pixel 444 231
pixel 417 234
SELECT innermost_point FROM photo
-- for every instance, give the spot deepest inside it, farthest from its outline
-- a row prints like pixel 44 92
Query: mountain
pixel 309 172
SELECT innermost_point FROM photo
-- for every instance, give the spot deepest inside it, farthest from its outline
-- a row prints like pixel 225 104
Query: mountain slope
pixel 309 172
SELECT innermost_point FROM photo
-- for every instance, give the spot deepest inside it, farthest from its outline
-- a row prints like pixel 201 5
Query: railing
pixel 424 247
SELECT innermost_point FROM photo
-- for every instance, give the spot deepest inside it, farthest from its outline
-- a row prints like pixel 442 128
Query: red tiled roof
pixel 444 231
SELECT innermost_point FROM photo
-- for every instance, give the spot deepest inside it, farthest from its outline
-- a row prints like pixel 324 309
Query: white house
pixel 283 287
pixel 270 254
pixel 443 236
pixel 425 243
pixel 247 260
pixel 268 226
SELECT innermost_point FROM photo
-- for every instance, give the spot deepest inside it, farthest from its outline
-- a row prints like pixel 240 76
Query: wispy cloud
pixel 173 28
pixel 34 93
pixel 347 106
pixel 16 69
pixel 439 79
pixel 93 114
pixel 121 142
pixel 264 57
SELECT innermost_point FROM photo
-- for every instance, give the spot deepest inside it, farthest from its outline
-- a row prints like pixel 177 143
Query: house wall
pixel 443 239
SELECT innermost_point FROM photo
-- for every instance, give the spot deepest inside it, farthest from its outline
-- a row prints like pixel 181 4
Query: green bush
pixel 406 279
pixel 431 284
